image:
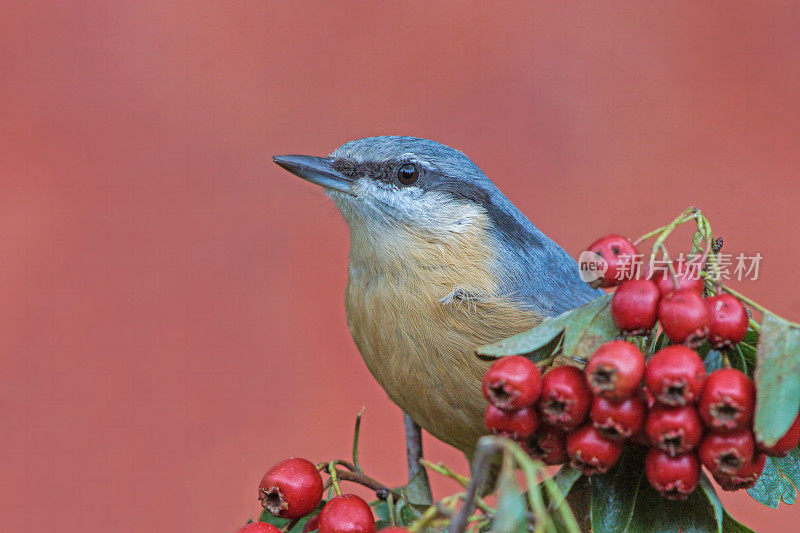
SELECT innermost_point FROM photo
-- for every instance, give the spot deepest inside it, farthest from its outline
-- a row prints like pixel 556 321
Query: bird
pixel 440 263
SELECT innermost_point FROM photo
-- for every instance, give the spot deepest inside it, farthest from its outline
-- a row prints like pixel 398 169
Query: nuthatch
pixel 441 262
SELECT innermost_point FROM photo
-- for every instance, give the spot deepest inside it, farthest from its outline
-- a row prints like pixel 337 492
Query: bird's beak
pixel 317 170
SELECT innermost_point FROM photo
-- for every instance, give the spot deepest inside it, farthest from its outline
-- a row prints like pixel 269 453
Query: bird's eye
pixel 408 174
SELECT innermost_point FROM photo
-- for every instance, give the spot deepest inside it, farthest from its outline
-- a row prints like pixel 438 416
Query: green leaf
pixel 779 482
pixel 777 379
pixel 614 494
pixel 654 514
pixel 729 525
pixel 712 361
pixel 585 328
pixel 511 514
pixel 589 327
pixel 711 495
pixel 566 477
pixel 529 341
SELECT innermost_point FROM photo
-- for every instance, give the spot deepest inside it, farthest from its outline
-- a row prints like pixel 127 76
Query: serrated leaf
pixel 776 482
pixel 614 494
pixel 589 327
pixel 777 379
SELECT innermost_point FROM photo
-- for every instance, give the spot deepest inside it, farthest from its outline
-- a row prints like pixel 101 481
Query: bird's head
pixel 400 184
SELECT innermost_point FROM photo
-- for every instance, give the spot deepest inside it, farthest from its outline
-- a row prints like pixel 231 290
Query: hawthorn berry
pixel 619 254
pixel 291 489
pixel 618 421
pixel 311 525
pixel 729 321
pixel 512 383
pixel 746 477
pixel 687 276
pixel 548 445
pixel 674 477
pixel 786 443
pixel 615 370
pixel 565 398
pixel 518 424
pixel 590 451
pixel 675 430
pixel 684 317
pixel 675 375
pixel 727 400
pixel 726 453
pixel 346 514
pixel 634 306
pixel 259 527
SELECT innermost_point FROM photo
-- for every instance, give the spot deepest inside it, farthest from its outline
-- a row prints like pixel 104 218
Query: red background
pixel 171 318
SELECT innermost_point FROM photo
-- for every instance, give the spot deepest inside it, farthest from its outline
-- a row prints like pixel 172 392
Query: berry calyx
pixel 685 317
pixel 565 398
pixel 785 444
pixel 674 430
pixel 291 489
pixel 687 276
pixel 729 321
pixel 746 477
pixel 259 527
pixel 618 421
pixel 548 445
pixel 634 306
pixel 619 254
pixel 615 370
pixel 674 477
pixel 512 383
pixel 726 453
pixel 675 375
pixel 727 400
pixel 346 514
pixel 519 424
pixel 590 451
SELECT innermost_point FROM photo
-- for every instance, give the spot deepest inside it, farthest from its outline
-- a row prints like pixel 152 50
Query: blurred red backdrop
pixel 171 319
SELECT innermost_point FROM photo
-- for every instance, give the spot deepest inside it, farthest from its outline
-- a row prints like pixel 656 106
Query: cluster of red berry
pixel 685 417
pixel 293 488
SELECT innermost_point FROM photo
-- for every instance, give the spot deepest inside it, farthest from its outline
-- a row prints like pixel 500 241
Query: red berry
pixel 685 317
pixel 346 514
pixel 727 400
pixel 726 453
pixel 565 398
pixel 675 375
pixel 618 421
pixel 311 525
pixel 634 306
pixel 673 477
pixel 512 383
pixel 687 275
pixel 291 489
pixel 259 527
pixel 590 451
pixel 746 477
pixel 619 254
pixel 548 445
pixel 675 430
pixel 786 443
pixel 615 370
pixel 519 424
pixel 729 320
